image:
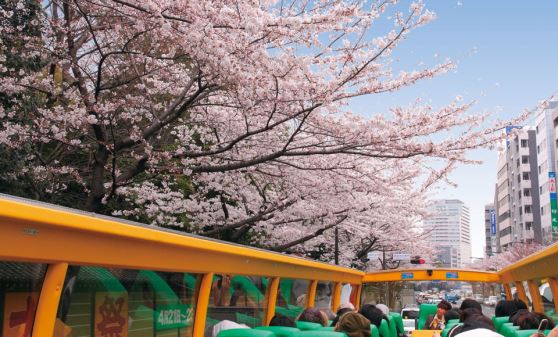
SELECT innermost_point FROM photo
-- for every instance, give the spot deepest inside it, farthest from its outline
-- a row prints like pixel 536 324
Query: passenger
pixel 481 332
pixel 452 314
pixel 473 320
pixel 516 315
pixel 343 309
pixel 282 320
pixel 354 324
pixel 313 315
pixel 226 325
pixel 373 314
pixel 520 304
pixel 531 320
pixel 505 308
pixel 470 303
pixel 437 321
pixel 467 313
pixel 384 308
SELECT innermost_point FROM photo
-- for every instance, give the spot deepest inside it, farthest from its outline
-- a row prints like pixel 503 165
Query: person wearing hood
pixel 354 324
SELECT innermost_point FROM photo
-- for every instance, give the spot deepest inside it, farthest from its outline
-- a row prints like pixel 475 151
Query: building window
pixel 528 225
pixel 527 192
pixel 524 143
pixel 524 159
pixel 525 175
pixel 538 149
pixel 527 209
pixel 539 169
pixel 542 210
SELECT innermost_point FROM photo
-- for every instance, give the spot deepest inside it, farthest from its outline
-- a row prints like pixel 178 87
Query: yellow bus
pixel 70 273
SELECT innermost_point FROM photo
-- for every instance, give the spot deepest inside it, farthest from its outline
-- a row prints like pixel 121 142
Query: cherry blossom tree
pixel 227 119
pixel 514 253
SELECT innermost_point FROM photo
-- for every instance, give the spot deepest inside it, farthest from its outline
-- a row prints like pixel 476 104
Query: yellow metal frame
pixel 431 275
pixel 35 232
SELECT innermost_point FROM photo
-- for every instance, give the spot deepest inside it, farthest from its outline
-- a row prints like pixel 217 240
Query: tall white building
pixel 546 129
pixel 448 229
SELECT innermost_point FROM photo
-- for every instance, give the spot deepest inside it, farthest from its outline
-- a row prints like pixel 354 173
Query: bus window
pixel 20 284
pixel 236 298
pixel 291 297
pixel 324 291
pixel 100 301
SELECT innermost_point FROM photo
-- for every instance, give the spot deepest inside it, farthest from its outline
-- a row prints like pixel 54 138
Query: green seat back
pixel 425 310
pixel 499 321
pixel 384 329
pixel 279 331
pixel 398 321
pixel 327 328
pixel 448 327
pixel 452 321
pixel 245 333
pixel 305 326
pixel 392 327
pixel 374 330
pixel 524 333
pixel 247 319
pixel 508 330
pixel 319 333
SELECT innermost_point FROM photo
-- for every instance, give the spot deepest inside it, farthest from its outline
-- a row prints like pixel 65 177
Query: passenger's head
pixel 282 320
pixel 452 314
pixel 520 304
pixel 528 320
pixel 531 320
pixel 442 308
pixel 384 308
pixel 313 315
pixel 468 313
pixel 340 313
pixel 354 324
pixel 476 320
pixel 470 303
pixel 373 314
pixel 515 316
pixel 505 308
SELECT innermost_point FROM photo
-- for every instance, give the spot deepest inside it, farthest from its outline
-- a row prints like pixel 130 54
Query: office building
pixel 448 229
pixel 517 205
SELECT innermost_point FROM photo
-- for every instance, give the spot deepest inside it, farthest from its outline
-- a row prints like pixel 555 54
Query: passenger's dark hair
pixel 505 308
pixel 282 320
pixel 528 320
pixel 477 321
pixel 470 303
pixel 340 313
pixel 515 316
pixel 452 314
pixel 444 305
pixel 313 315
pixel 373 314
pixel 520 304
pixel 468 313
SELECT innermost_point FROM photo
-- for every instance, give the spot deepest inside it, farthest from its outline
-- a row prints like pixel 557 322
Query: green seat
pixel 318 333
pixel 392 326
pixel 279 331
pixel 245 333
pixel 327 328
pixel 425 310
pixel 305 326
pixel 448 327
pixel 499 321
pixel 508 330
pixel 374 330
pixel 247 319
pixel 523 333
pixel 384 329
pixel 398 322
pixel 452 321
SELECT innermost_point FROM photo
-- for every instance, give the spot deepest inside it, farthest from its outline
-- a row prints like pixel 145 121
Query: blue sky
pixel 507 57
